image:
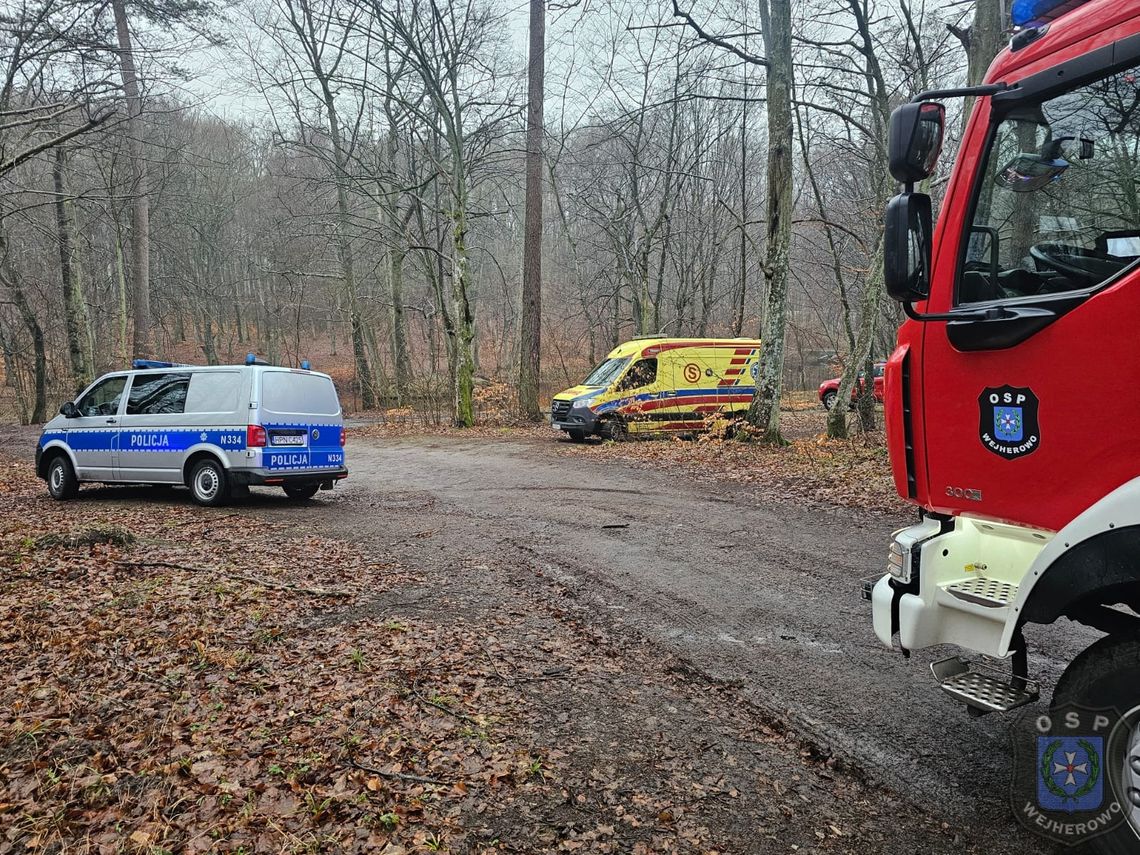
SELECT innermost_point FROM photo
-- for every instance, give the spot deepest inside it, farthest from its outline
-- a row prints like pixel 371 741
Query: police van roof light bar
pixel 305 365
pixel 254 359
pixel 140 364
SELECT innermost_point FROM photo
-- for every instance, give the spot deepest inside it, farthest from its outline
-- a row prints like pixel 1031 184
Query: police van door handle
pixel 112 421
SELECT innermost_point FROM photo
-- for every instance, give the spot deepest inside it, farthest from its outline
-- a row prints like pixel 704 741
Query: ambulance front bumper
pixel 577 418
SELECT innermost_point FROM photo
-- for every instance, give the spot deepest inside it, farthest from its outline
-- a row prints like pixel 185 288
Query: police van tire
pixel 61 480
pixel 829 399
pixel 1106 674
pixel 208 483
pixel 301 494
pixel 612 429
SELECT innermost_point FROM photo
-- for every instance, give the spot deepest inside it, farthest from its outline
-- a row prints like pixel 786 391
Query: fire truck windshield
pixel 1058 203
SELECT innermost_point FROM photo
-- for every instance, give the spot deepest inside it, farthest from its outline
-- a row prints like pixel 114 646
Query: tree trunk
pixel 123 299
pixel 11 280
pixel 530 330
pixel 74 308
pixel 981 40
pixel 401 361
pixel 869 313
pixel 764 411
pixel 346 258
pixel 462 315
pixel 140 208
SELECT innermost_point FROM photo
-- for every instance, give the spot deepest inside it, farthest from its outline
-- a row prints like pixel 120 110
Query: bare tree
pixel 530 331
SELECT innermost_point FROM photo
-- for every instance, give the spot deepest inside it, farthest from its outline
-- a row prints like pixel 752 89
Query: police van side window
pixel 213 392
pixel 103 399
pixel 155 394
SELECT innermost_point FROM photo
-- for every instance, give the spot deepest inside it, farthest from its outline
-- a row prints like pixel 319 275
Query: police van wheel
pixel 301 494
pixel 829 399
pixel 61 480
pixel 1106 676
pixel 208 483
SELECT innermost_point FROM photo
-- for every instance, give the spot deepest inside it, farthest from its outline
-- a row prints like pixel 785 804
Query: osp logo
pixel 1008 421
pixel 1064 783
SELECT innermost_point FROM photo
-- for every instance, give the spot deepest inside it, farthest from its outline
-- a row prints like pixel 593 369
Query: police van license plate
pixel 291 439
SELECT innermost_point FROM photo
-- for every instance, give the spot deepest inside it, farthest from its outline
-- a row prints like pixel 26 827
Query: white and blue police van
pixel 216 429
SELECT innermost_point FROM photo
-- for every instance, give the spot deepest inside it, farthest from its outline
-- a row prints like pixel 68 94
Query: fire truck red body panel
pixel 1082 368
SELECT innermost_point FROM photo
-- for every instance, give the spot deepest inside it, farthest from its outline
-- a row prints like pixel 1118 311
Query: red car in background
pixel 829 389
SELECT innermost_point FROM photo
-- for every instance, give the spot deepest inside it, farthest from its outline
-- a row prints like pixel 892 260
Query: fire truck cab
pixel 1010 398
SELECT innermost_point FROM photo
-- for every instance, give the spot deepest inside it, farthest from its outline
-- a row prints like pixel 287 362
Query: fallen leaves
pixel 171 682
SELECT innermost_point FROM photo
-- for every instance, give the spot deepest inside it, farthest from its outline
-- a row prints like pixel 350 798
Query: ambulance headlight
pixel 585 402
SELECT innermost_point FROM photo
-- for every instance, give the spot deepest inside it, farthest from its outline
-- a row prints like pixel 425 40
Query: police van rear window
pixel 309 394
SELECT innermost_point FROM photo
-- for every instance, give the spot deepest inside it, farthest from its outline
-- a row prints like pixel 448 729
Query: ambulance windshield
pixel 606 373
pixel 1058 204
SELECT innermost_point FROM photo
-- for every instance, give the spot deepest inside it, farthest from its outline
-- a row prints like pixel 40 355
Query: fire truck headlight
pixel 898 563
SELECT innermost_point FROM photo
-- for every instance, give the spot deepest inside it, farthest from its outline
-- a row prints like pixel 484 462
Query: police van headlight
pixel 898 563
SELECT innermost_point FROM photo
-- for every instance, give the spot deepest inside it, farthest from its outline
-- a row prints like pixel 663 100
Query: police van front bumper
pixel 325 478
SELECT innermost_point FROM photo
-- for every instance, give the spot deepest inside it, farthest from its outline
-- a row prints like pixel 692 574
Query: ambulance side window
pixel 153 394
pixel 103 400
pixel 642 373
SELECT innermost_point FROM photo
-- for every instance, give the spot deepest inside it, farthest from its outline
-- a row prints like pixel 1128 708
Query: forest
pixel 428 198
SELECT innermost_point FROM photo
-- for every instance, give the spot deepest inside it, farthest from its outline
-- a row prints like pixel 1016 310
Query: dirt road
pixel 762 595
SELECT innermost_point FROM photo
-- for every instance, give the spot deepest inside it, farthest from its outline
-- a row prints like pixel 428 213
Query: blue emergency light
pixel 304 365
pixel 140 364
pixel 1032 13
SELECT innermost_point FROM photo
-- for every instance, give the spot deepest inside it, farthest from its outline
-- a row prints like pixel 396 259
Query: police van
pixel 216 429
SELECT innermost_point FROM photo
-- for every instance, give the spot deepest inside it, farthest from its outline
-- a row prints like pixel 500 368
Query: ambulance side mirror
pixel 907 247
pixel 915 140
pixel 69 411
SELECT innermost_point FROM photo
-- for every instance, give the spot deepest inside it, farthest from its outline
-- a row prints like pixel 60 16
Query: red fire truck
pixel 1010 397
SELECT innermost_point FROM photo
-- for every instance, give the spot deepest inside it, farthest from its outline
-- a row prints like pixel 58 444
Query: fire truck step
pixel 981 688
pixel 992 593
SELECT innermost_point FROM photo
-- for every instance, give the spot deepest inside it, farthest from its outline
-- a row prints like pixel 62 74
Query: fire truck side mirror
pixel 915 140
pixel 907 247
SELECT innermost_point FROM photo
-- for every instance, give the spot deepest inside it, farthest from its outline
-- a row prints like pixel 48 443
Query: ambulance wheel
pixel 301 494
pixel 1107 675
pixel 208 483
pixel 829 399
pixel 61 481
pixel 576 435
pixel 612 429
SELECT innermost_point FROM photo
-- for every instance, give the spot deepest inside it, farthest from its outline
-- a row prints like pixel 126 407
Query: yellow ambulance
pixel 660 384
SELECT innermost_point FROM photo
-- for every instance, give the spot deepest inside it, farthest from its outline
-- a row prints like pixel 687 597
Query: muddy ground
pixel 691 658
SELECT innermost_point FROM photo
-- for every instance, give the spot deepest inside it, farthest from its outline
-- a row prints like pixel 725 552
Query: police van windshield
pixel 606 373
pixel 1058 205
